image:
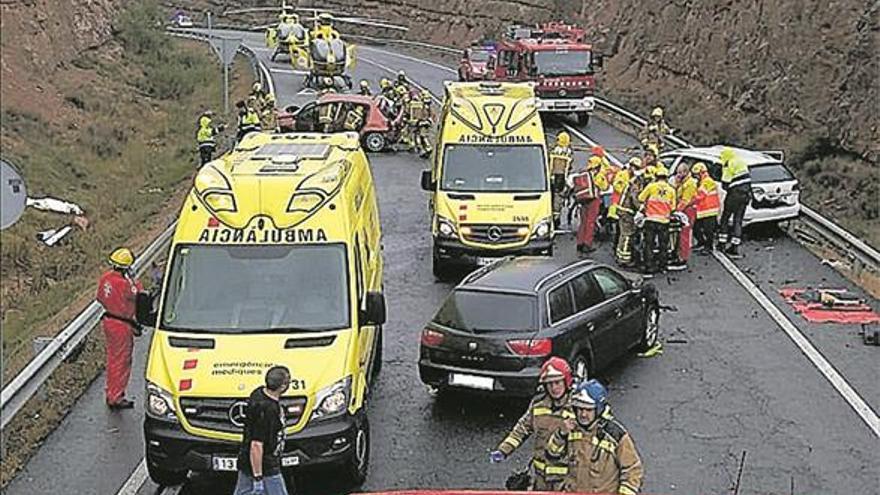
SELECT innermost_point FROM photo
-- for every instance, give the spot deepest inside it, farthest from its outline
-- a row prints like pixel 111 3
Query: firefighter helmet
pixel 634 163
pixel 365 84
pixel 598 150
pixel 590 394
pixel 555 368
pixel 699 168
pixel 257 87
pixel 384 83
pixel 400 90
pixel 563 139
pixel 325 19
pixel 661 171
pixel 653 149
pixel 401 76
pixel 594 162
pixel 121 258
pixel 657 113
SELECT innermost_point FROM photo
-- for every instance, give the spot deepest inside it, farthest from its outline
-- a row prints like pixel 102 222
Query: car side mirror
pixel 598 60
pixel 291 108
pixel 145 311
pixel 637 283
pixel 374 314
pixel 427 181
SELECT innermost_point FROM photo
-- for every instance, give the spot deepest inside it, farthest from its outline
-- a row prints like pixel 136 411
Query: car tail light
pixel 534 347
pixel 432 338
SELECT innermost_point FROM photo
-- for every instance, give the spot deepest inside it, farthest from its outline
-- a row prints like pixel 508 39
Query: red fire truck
pixel 556 58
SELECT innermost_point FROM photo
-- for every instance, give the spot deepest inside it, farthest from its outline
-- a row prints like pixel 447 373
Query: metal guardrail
pixel 21 388
pixel 28 381
pixel 860 254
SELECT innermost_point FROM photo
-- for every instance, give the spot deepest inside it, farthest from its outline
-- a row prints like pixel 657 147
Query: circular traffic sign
pixel 13 194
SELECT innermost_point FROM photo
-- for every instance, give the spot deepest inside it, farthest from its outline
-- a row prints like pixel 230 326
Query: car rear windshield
pixel 770 172
pixel 494 168
pixel 479 55
pixel 482 312
pixel 247 288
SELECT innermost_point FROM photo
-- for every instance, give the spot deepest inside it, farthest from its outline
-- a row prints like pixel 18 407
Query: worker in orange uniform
pixel 658 199
pixel 117 293
pixel 686 193
pixel 587 184
pixel 708 205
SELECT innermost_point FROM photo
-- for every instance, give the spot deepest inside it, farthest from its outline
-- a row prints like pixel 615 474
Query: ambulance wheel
pixel 164 477
pixel 583 118
pixel 356 466
pixel 374 142
pixel 651 334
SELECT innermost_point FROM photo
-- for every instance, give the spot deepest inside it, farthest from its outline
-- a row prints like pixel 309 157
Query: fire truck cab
pixel 559 62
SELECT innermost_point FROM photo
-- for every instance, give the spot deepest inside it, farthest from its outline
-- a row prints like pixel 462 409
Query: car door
pixel 624 308
pixel 594 319
pixel 560 312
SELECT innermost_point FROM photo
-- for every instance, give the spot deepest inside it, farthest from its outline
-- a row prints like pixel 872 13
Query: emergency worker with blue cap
pixel 599 452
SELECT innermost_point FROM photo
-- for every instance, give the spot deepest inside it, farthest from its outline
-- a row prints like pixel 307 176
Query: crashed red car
pixel 472 66
pixel 376 131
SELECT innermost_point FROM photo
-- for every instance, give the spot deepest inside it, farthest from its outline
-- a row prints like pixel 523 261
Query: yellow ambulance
pixel 489 181
pixel 276 259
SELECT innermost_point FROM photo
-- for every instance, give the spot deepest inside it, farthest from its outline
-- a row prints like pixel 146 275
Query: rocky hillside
pixel 801 75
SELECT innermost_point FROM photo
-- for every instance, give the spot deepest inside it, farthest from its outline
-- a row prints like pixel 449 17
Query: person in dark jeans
pixel 259 458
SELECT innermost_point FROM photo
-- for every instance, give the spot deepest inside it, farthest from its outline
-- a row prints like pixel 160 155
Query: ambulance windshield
pixel 494 168
pixel 257 288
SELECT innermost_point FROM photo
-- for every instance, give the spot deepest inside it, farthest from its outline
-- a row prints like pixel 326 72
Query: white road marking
pixel 136 480
pixel 843 387
pixel 837 381
pixel 289 71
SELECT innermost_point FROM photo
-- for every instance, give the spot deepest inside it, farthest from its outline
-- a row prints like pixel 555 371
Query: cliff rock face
pixel 40 38
pixel 796 66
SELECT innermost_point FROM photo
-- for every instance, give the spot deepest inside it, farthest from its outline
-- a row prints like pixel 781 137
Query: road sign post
pixel 225 48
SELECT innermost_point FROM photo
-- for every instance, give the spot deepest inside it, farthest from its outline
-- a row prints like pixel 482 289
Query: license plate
pixel 224 463
pixel 471 381
pixel 291 460
pixel 485 261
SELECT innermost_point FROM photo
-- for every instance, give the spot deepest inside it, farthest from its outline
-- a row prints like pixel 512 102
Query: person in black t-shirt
pixel 259 458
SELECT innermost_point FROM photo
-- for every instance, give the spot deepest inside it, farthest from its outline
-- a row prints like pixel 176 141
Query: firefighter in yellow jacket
pixel 600 454
pixel 545 415
pixel 560 165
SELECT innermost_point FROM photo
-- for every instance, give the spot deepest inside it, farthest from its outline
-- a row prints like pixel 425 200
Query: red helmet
pixel 598 151
pixel 554 369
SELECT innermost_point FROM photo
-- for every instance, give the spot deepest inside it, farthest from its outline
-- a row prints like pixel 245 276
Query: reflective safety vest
pixel 560 160
pixel 686 193
pixel 659 200
pixel 205 135
pixel 707 199
pixel 619 182
pixel 600 179
pixel 735 173
pixel 250 122
pixel 416 110
pixel 354 119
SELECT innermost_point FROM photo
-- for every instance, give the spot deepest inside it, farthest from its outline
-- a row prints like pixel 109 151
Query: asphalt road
pixel 728 382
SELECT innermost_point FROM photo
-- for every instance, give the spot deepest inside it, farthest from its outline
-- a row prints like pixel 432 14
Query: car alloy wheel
pixel 374 142
pixel 652 328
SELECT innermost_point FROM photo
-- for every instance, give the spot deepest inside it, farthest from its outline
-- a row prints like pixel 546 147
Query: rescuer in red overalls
pixel 117 293
pixel 587 184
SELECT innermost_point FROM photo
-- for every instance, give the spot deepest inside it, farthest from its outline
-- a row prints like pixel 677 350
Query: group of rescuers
pixel 408 110
pixel 652 216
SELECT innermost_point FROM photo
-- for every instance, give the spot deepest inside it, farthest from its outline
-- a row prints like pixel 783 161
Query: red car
pixel 376 131
pixel 472 66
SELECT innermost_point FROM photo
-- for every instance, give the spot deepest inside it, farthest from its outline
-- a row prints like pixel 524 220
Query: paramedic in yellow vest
pixel 708 205
pixel 659 201
pixel 560 166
